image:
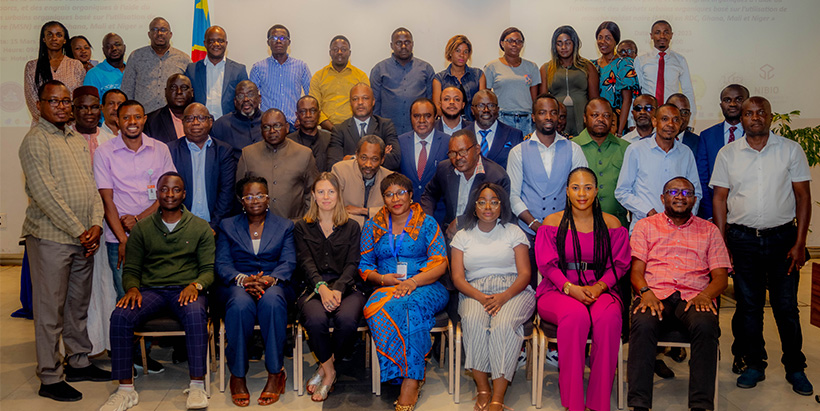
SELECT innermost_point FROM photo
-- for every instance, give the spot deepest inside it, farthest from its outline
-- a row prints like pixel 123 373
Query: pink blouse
pixel 70 71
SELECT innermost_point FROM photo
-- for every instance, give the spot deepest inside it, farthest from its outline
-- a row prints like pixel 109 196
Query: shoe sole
pixel 750 385
pixel 806 393
pixel 79 379
pixel 56 398
pixel 150 371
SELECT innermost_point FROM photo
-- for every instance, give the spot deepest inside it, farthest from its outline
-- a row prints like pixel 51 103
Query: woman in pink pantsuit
pixel 582 252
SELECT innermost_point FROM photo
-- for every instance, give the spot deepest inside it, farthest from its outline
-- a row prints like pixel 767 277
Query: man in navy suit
pixel 714 138
pixel 207 167
pixel 215 78
pixel 165 123
pixel 452 108
pixel 423 147
pixel 495 139
pixel 456 179
pixel 685 136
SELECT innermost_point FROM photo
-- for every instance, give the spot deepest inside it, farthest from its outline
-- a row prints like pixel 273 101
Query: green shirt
pixel 605 160
pixel 155 257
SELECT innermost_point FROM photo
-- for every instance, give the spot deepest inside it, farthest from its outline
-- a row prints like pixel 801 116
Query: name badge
pixel 152 192
pixel 401 271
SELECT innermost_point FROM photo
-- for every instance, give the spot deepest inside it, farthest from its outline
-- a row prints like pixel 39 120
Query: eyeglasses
pixel 648 108
pixel 673 192
pixel 249 95
pixel 304 111
pixel 259 197
pixel 279 38
pixel 460 153
pixel 517 42
pixel 275 127
pixel 159 30
pixel 54 102
pixel 494 204
pixel 93 107
pixel 400 193
pixel 201 118
pixel 482 106
pixel 183 88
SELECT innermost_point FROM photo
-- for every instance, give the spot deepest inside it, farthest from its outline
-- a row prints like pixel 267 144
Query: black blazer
pixel 220 171
pixel 506 138
pixel 160 126
pixel 234 73
pixel 691 140
pixel 345 139
pixel 437 152
pixel 444 186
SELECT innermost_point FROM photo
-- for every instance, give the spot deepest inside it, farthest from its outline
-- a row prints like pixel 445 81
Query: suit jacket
pixel 351 184
pixel 436 151
pixel 160 126
pixel 345 139
pixel 506 137
pixel 710 142
pixel 234 73
pixel 444 186
pixel 464 124
pixel 220 171
pixel 691 140
pixel 234 249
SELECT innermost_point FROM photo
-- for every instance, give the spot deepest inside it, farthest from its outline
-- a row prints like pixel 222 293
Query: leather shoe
pixel 60 391
pixel 678 354
pixel 750 378
pixel 739 365
pixel 800 384
pixel 662 370
pixel 90 373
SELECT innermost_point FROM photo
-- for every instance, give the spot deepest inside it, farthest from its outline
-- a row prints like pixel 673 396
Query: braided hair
pixel 602 254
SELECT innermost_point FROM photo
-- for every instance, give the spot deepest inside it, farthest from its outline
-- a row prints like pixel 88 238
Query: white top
pixel 489 253
pixel 739 133
pixel 675 75
pixel 214 77
pixel 759 182
pixel 171 226
pixel 515 167
pixel 255 244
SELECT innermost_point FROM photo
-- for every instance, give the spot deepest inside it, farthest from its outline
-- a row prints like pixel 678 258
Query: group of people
pixel 260 189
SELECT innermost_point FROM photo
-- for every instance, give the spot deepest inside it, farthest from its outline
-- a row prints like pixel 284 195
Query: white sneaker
pixel 197 399
pixel 121 401
pixel 552 357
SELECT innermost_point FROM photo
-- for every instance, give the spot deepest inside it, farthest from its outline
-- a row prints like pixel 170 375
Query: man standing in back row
pixel 662 72
pixel 215 77
pixel 331 85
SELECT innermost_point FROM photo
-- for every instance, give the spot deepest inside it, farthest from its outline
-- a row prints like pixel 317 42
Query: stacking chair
pixel 362 328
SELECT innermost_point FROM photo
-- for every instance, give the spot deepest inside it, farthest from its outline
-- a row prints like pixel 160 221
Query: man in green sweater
pixel 169 261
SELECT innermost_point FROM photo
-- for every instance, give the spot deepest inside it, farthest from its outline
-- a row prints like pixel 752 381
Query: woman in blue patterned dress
pixel 403 253
pixel 617 74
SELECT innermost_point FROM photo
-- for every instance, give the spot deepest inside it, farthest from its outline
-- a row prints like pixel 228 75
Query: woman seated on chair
pixel 403 253
pixel 582 252
pixel 255 257
pixel 490 267
pixel 327 249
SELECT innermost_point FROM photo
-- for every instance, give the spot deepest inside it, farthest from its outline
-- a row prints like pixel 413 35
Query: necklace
pixel 256 233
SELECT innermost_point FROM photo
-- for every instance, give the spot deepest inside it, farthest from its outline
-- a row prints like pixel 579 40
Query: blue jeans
pixel 116 272
pixel 761 264
pixel 521 121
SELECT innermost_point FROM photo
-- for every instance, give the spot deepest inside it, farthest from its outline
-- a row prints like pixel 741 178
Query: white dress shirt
pixel 417 147
pixel 359 125
pixel 675 75
pixel 490 136
pixel 633 136
pixel 214 77
pixel 464 185
pixel 759 182
pixel 515 167
pixel 739 133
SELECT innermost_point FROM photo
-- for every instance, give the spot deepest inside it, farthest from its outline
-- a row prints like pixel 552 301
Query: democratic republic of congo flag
pixel 202 20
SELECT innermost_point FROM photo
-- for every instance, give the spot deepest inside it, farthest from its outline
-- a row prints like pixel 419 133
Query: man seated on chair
pixel 679 268
pixel 169 261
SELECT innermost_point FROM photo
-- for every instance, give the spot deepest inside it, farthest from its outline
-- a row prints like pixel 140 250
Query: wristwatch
pixel 643 290
pixel 567 286
pixel 198 286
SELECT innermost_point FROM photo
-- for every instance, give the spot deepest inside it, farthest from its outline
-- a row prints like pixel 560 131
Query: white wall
pixel 768 45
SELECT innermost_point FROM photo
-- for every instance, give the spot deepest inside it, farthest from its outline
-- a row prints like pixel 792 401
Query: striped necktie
pixel 485 147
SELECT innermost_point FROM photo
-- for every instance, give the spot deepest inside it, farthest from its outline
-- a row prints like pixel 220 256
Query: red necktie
pixel 422 159
pixel 659 84
pixel 732 133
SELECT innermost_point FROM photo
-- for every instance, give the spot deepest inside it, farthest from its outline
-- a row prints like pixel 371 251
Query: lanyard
pixel 394 248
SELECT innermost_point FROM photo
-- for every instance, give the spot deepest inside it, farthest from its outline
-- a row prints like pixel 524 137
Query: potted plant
pixel 807 137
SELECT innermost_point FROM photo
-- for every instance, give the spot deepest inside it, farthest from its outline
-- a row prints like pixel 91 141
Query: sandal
pixel 503 407
pixel 313 382
pixel 268 398
pixel 409 407
pixel 481 407
pixel 324 391
pixel 240 399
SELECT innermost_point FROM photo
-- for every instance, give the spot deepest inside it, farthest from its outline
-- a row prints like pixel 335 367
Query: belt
pixel 515 114
pixel 583 266
pixel 765 232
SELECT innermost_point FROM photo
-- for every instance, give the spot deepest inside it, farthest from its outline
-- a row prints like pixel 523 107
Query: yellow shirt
pixel 332 89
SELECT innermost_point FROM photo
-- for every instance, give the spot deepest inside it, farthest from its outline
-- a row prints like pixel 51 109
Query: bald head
pixel 756 116
pixel 197 123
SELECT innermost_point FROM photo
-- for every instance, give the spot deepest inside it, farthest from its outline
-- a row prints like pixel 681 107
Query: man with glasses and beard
pixel 242 127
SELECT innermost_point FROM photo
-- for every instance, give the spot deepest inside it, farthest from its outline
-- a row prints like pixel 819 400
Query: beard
pixel 684 215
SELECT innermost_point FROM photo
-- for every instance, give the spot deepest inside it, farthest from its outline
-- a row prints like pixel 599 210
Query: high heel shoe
pixel 314 382
pixel 324 390
pixel 409 407
pixel 267 397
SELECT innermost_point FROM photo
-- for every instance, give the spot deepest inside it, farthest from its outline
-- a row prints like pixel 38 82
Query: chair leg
pixel 532 363
pixel 367 352
pixel 451 356
pixel 208 371
pixel 442 347
pixel 221 356
pixel 457 366
pixel 528 367
pixel 144 356
pixel 212 347
pixel 376 372
pixel 621 382
pixel 298 363
pixel 539 365
pixel 717 373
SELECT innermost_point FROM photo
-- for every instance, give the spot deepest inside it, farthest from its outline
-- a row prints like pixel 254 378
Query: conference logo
pixel 12 97
pixel 766 72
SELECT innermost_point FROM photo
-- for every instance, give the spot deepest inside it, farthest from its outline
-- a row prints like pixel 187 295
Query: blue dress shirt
pixel 199 191
pixel 396 86
pixel 281 85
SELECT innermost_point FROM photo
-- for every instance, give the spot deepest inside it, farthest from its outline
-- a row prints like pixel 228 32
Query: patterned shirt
pixel 70 72
pixel 63 197
pixel 281 85
pixel 332 89
pixel 147 73
pixel 678 258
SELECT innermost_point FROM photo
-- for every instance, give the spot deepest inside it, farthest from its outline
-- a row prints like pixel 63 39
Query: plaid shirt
pixel 63 197
pixel 678 258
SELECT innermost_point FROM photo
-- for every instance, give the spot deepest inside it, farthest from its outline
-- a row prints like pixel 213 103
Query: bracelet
pixel 240 279
pixel 319 284
pixel 414 282
pixel 603 286
pixel 382 280
pixel 531 222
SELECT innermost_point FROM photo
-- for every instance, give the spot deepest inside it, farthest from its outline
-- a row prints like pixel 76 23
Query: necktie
pixel 422 159
pixel 363 132
pixel 659 86
pixel 485 148
pixel 732 133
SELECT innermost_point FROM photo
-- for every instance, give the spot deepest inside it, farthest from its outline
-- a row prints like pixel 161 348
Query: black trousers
pixel 317 322
pixel 761 264
pixel 704 332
